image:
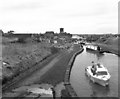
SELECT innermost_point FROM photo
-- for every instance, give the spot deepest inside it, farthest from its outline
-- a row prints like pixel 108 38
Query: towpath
pixel 53 71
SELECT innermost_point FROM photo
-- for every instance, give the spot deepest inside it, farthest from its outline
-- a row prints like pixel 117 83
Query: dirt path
pixel 37 75
pixel 52 73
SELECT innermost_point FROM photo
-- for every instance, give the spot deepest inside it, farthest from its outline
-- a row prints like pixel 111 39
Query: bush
pixel 65 93
pixel 54 50
pixel 21 40
pixel 6 79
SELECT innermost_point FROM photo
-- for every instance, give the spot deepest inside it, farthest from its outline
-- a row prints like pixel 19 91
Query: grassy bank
pixel 19 57
pixel 41 54
pixel 110 48
pixel 110 44
pixel 23 76
pixel 54 75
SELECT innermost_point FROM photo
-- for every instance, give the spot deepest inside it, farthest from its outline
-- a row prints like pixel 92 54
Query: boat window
pixel 102 73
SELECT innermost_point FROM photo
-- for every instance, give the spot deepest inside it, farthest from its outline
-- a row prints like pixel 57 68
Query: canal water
pixel 83 86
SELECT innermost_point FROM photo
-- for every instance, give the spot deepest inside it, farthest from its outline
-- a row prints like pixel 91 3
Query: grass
pixel 23 76
pixel 21 56
pixel 56 74
pixel 111 44
pixel 110 48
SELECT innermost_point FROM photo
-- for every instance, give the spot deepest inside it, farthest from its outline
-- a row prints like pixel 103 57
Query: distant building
pixel 76 37
pixel 49 34
pixel 61 30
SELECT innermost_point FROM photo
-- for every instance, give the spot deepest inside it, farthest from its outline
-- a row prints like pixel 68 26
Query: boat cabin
pixel 93 47
pixel 98 69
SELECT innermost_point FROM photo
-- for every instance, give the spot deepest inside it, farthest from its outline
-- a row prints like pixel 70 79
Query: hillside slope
pixel 113 41
pixel 18 57
pixel 110 44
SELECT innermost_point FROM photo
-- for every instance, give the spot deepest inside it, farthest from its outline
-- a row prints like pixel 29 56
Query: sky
pixel 75 16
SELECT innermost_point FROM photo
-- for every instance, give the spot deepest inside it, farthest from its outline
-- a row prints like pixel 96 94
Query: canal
pixel 85 87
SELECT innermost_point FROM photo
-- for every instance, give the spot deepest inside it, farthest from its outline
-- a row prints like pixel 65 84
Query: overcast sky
pixel 75 16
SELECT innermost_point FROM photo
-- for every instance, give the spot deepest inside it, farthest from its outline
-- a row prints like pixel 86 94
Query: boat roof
pixel 101 69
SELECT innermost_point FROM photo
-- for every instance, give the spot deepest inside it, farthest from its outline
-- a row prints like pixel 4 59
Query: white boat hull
pixel 101 82
pixel 95 79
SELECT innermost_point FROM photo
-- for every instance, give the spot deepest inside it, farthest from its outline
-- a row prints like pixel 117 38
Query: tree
pixel 10 32
pixel 21 39
pixel 1 32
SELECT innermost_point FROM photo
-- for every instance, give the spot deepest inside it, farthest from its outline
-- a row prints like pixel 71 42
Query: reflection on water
pixel 83 86
pixel 98 55
pixel 97 89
